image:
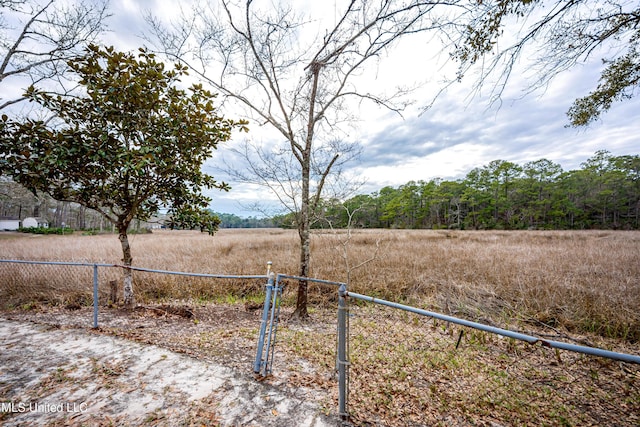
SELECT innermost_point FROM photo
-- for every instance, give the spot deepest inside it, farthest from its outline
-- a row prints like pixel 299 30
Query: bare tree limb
pixel 49 34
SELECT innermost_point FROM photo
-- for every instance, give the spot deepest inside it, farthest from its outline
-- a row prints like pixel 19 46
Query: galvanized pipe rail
pixel 343 338
pixel 592 351
pixel 265 348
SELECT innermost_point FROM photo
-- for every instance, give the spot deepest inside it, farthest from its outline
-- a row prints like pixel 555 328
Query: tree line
pixel 603 193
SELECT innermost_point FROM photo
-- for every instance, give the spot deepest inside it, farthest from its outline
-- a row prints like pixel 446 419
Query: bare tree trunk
pixel 259 54
pixel 57 216
pixel 304 226
pixel 81 222
pixel 127 261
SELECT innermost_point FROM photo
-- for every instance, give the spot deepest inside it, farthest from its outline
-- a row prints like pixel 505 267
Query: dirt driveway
pixel 65 375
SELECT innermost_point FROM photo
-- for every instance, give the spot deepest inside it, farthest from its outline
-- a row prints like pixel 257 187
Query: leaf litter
pixel 404 370
pixel 135 369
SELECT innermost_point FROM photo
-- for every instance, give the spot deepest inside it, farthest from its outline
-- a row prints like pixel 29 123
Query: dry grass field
pixel 586 281
pixel 581 287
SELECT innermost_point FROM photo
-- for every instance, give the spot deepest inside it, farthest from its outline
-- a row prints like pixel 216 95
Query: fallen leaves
pixel 404 368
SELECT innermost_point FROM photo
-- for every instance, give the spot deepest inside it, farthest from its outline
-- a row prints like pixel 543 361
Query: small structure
pixel 9 223
pixel 35 222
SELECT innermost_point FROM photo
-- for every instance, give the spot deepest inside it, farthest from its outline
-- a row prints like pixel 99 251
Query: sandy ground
pixel 52 375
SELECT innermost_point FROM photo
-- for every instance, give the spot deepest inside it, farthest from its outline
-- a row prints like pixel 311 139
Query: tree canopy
pixel 555 36
pixel 131 145
pixel 604 193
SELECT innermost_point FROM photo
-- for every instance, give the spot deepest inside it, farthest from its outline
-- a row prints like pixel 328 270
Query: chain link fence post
pixel 343 361
pixel 265 318
pixel 95 296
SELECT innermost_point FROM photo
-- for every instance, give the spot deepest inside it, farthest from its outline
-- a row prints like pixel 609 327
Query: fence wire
pixel 174 309
pixel 408 369
pixel 70 285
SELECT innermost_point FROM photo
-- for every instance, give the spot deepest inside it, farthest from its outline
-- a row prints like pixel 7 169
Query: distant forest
pixel 604 193
pixel 234 221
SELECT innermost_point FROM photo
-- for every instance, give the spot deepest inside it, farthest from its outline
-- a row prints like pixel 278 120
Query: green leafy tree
pixel 449 196
pixel 560 34
pixel 536 191
pixel 630 166
pixel 133 144
pixel 476 197
pixel 605 193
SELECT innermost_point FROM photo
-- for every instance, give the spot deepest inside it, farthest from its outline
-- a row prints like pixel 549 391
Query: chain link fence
pixel 72 283
pixel 395 367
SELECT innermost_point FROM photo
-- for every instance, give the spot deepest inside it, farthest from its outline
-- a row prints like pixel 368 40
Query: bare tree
pixel 276 168
pixel 344 243
pixel 38 37
pixel 266 57
pixel 15 200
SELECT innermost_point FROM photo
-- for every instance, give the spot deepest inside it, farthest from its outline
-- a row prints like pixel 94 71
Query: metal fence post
pixel 265 316
pixel 343 361
pixel 95 295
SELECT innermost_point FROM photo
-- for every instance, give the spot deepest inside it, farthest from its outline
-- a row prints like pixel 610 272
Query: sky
pixel 458 133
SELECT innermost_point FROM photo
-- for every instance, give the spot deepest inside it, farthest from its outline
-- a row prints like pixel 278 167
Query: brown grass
pixel 405 369
pixel 587 281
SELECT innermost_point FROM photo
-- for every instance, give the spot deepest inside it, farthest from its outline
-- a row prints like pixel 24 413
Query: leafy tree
pixel 234 221
pixel 37 38
pixel 562 34
pixel 411 202
pixel 449 194
pixel 133 144
pixel 364 212
pixel 536 190
pixel 391 205
pixel 629 166
pixel 604 194
pixel 500 176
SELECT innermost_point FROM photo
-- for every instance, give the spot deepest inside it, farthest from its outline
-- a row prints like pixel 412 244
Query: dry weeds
pixel 582 281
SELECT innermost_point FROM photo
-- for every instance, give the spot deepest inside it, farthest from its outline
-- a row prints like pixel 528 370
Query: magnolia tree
pixel 132 144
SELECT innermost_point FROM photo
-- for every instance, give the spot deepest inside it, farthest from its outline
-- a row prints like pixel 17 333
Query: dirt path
pixel 68 376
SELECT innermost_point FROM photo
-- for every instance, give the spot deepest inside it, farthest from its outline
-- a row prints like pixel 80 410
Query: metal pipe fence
pixel 410 366
pixel 384 363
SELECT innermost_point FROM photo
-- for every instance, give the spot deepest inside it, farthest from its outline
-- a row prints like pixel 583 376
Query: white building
pixel 9 224
pixel 34 222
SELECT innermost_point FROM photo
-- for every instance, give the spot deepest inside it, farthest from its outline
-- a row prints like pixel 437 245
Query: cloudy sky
pixel 455 135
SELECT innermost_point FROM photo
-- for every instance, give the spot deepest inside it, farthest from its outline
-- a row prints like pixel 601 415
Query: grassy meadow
pixel 576 286
pixel 586 281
